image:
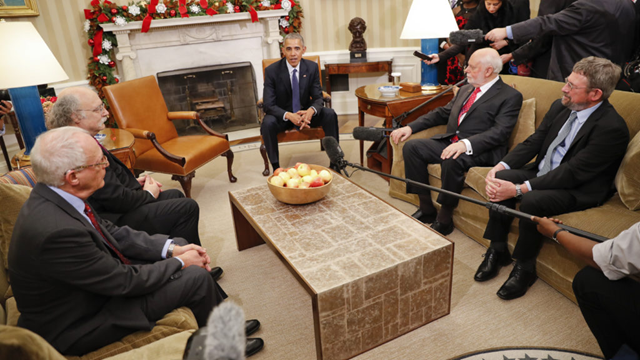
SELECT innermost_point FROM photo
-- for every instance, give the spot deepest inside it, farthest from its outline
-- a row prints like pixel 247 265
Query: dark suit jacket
pixel 65 280
pixel 591 162
pixel 488 123
pixel 602 28
pixel 277 88
pixel 121 192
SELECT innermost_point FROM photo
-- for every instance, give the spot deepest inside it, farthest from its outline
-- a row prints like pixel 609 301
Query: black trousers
pixel 536 202
pixel 418 153
pixel 172 214
pixel 610 308
pixel 271 126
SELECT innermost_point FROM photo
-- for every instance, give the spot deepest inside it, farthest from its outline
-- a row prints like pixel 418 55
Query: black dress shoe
pixel 424 218
pixel 517 284
pixel 251 326
pixel 216 273
pixel 254 345
pixel 444 229
pixel 493 260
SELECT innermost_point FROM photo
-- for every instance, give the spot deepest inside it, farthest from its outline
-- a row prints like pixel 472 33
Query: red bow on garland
pixel 146 23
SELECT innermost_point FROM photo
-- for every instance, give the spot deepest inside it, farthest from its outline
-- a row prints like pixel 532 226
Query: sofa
pixel 555 265
pixel 166 340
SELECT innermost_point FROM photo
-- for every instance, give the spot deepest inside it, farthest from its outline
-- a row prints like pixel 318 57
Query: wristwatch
pixel 170 250
pixel 555 234
pixel 518 192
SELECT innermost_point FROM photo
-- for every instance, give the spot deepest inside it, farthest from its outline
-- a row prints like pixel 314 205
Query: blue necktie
pixel 562 135
pixel 295 89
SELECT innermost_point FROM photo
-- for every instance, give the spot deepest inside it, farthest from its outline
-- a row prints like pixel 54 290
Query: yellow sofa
pixel 168 337
pixel 554 265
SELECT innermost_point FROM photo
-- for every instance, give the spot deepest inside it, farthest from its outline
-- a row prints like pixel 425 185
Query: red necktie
pixel 94 222
pixel 464 110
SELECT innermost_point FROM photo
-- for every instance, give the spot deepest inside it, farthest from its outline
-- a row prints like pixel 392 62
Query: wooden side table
pixel 354 68
pixel 120 143
pixel 371 101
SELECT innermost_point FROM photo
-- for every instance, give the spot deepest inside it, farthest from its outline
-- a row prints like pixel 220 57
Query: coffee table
pixel 373 272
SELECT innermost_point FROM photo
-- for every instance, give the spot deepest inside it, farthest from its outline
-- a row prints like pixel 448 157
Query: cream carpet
pixel 256 280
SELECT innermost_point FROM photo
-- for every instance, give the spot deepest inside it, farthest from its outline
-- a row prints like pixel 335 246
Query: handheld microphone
pixel 421 55
pixel 226 339
pixel 336 155
pixel 369 133
pixel 466 37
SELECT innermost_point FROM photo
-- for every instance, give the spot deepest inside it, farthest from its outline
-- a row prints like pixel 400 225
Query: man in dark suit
pixel 602 28
pixel 288 106
pixel 79 281
pixel 124 200
pixel 479 122
pixel 577 149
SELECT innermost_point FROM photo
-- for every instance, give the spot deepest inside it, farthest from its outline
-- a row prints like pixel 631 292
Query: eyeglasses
pixel 98 110
pixel 103 162
pixel 573 87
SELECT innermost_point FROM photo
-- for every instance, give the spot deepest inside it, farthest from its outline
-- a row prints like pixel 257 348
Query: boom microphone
pixel 466 37
pixel 336 155
pixel 369 133
pixel 226 337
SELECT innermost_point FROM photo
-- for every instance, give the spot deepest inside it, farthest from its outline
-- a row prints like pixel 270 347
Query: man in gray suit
pixel 601 28
pixel 81 282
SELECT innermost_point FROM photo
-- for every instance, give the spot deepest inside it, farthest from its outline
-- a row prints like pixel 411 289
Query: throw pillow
pixel 628 176
pixel 13 196
pixel 526 124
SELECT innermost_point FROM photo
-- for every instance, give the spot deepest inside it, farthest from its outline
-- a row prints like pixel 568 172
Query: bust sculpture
pixel 357 26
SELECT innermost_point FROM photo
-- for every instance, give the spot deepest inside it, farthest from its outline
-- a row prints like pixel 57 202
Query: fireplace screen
pixel 225 96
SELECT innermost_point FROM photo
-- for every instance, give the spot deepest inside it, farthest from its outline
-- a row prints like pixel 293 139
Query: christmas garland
pixel 101 66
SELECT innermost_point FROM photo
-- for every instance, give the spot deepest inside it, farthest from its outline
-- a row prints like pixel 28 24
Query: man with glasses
pixel 577 148
pixel 124 200
pixel 82 283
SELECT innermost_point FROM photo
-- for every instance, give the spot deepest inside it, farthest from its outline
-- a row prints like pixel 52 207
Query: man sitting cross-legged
pixel 479 122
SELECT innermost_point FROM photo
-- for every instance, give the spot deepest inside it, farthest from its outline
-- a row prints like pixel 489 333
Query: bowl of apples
pixel 300 184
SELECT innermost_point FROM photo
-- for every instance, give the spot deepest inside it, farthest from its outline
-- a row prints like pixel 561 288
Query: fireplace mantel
pixel 236 39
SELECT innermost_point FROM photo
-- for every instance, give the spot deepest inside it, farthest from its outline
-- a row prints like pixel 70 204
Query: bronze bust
pixel 357 26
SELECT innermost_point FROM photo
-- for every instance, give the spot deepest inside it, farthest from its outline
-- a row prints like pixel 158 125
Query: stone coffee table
pixel 373 272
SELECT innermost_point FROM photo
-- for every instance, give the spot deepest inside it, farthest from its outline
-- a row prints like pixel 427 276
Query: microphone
pixel 369 133
pixel 226 339
pixel 466 37
pixel 336 155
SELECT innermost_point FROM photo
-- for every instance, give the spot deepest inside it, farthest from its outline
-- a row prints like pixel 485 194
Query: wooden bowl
pixel 294 196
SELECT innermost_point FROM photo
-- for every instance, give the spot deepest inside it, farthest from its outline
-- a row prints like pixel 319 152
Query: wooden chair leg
pixel 5 153
pixel 263 152
pixel 229 155
pixel 185 182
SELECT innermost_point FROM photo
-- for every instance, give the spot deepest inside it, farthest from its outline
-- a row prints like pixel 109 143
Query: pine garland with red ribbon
pixel 101 66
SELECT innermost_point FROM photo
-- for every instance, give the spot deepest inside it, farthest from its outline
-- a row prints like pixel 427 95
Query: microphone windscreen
pixel 466 37
pixel 367 133
pixel 333 150
pixel 226 339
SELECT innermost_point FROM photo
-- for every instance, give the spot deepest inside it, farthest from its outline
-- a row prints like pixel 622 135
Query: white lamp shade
pixel 26 59
pixel 429 19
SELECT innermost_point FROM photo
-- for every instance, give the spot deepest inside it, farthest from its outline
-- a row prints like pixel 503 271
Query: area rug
pixel 527 353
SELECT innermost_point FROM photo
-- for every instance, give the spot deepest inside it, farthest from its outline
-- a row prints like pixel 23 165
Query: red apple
pixel 325 175
pixel 278 171
pixel 316 182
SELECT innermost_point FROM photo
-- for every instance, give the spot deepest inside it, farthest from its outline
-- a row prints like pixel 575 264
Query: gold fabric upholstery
pixel 138 106
pixel 627 179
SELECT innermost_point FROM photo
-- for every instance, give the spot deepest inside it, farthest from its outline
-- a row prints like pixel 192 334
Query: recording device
pixel 466 37
pixel 222 339
pixel 4 95
pixel 369 133
pixel 421 55
pixel 336 156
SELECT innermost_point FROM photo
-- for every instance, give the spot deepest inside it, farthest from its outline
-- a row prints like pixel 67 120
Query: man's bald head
pixel 484 65
pixel 78 106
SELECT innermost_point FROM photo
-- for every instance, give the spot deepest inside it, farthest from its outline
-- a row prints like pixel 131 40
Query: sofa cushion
pixel 24 176
pixel 628 176
pixel 18 343
pixel 475 180
pixel 13 196
pixel 526 124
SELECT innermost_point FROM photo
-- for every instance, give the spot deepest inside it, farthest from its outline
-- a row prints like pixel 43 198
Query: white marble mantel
pixel 181 43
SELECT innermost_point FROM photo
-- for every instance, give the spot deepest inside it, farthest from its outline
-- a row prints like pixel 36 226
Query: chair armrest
pixel 182 115
pixel 209 130
pixel 148 135
pixel 138 133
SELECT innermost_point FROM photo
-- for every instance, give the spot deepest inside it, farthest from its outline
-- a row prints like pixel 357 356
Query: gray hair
pixel 493 60
pixel 294 36
pixel 600 73
pixel 55 152
pixel 61 112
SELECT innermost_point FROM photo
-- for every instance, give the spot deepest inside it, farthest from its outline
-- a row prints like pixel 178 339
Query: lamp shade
pixel 429 19
pixel 26 59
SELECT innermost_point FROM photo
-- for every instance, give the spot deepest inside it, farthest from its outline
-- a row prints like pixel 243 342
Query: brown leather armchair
pixel 293 134
pixel 138 107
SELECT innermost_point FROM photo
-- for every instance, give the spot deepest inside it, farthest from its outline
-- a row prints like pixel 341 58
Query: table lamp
pixel 26 62
pixel 429 20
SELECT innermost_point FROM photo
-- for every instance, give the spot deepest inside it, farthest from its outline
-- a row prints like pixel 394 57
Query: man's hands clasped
pixel 193 255
pixel 301 119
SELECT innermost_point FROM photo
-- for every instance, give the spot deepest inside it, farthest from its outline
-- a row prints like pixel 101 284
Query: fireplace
pixel 224 95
